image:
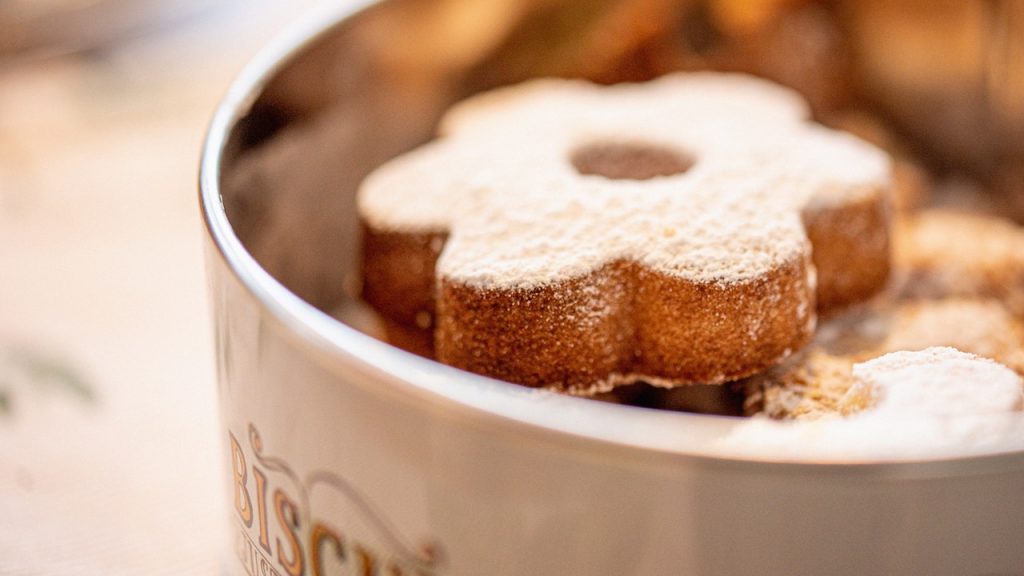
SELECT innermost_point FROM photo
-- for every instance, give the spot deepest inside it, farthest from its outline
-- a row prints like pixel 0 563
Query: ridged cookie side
pixel 623 323
pixel 851 248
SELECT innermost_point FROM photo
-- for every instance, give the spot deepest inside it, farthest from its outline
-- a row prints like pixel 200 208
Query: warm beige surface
pixel 114 468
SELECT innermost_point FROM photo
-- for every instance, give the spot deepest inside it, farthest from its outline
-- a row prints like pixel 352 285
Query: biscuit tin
pixel 344 455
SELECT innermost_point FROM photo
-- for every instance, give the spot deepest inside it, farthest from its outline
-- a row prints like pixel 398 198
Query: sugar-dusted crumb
pixel 936 381
pixel 928 403
pixel 811 384
pixel 805 387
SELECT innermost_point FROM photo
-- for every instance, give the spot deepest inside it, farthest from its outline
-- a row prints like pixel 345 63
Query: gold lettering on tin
pixel 254 561
pixel 367 562
pixel 261 507
pixel 291 549
pixel 320 536
pixel 288 519
pixel 240 471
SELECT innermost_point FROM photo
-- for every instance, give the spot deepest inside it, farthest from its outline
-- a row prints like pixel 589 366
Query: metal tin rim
pixel 580 424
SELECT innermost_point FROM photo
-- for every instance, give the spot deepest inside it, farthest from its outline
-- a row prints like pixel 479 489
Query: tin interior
pixel 342 92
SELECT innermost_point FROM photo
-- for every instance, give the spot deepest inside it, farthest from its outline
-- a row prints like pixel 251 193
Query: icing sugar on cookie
pixel 571 236
pixel 811 384
pixel 934 382
pixel 919 404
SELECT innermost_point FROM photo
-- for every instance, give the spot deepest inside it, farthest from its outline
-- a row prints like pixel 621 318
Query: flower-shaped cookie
pixel 571 236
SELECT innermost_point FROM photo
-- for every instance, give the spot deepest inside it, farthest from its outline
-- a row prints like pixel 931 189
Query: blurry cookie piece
pixel 941 253
pixel 807 386
pixel 812 384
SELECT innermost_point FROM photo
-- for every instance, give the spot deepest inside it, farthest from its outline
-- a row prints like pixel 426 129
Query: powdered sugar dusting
pixel 933 402
pixel 682 96
pixel 519 215
pixel 935 381
pixel 849 439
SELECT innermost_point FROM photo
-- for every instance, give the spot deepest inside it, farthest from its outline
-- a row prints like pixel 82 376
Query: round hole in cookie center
pixel 629 160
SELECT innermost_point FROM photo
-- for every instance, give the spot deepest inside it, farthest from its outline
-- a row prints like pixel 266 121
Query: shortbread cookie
pixel 945 253
pixel 812 384
pixel 575 237
pixel 932 382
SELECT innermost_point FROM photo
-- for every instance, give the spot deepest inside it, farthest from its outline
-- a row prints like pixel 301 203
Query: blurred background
pixel 109 453
pixel 109 449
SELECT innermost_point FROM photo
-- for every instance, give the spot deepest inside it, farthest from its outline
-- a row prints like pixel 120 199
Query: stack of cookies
pixel 697 231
